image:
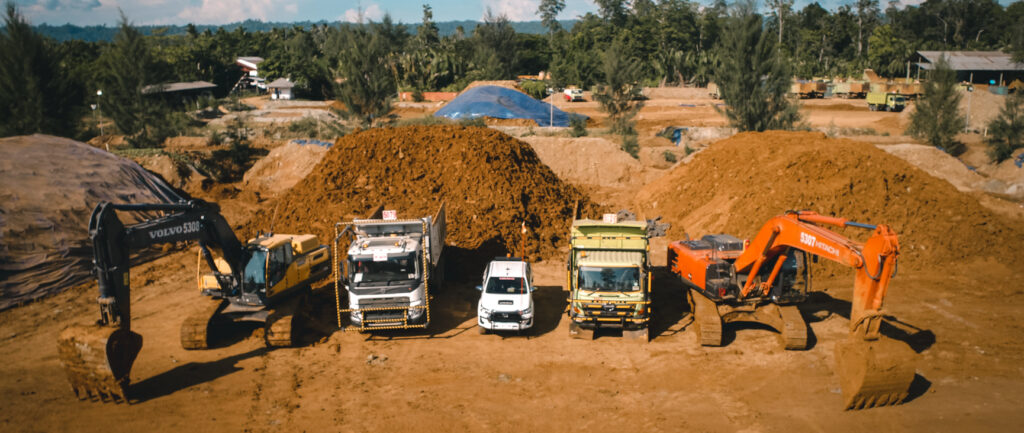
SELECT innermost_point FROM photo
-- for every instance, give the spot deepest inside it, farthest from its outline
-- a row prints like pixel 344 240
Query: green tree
pixel 1006 132
pixel 619 94
pixel 494 47
pixel 937 117
pixel 35 90
pixel 127 65
pixel 427 32
pixel 368 84
pixel 548 11
pixel 752 76
pixel 889 53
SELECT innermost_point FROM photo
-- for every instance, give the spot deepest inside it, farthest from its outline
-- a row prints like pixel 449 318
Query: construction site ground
pixel 960 313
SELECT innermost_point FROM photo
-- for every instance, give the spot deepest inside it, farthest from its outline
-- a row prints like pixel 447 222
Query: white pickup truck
pixel 573 94
pixel 506 296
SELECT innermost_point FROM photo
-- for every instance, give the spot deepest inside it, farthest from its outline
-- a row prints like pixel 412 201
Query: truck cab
pixel 391 267
pixel 878 101
pixel 506 296
pixel 609 277
pixel 573 94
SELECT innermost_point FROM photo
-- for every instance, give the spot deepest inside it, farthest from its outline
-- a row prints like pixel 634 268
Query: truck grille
pixel 608 310
pixel 390 309
pixel 506 316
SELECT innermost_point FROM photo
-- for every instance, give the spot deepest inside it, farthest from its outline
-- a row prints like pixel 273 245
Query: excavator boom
pixel 99 358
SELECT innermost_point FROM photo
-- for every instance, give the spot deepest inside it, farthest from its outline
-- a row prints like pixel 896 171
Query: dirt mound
pixel 591 161
pixel 738 183
pixel 48 188
pixel 283 167
pixel 490 182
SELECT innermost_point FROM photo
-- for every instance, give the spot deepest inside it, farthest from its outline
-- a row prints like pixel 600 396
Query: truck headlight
pixel 528 311
pixel 483 312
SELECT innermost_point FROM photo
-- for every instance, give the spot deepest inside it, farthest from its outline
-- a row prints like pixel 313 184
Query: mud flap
pixel 874 373
pixel 98 360
pixel 578 332
pixel 706 321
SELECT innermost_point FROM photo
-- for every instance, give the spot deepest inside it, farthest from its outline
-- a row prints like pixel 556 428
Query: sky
pixel 164 12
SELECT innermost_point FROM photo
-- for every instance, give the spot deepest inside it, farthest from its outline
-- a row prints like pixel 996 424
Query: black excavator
pixel 265 281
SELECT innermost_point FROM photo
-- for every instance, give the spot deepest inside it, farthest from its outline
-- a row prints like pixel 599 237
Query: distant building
pixel 280 88
pixel 180 93
pixel 976 67
pixel 251 65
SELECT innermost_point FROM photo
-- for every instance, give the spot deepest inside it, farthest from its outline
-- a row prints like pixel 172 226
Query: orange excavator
pixel 764 279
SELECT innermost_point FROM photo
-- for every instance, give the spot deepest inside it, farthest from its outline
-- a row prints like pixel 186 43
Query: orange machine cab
pixel 706 264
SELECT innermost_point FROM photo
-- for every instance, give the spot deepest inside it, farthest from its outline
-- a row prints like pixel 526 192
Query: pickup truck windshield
pixel 392 269
pixel 506 285
pixel 609 279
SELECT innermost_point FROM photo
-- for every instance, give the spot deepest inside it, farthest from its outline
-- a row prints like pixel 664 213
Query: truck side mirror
pixel 480 288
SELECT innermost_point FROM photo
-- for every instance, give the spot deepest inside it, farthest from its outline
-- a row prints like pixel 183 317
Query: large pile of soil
pixel 490 182
pixel 738 183
pixel 283 167
pixel 48 189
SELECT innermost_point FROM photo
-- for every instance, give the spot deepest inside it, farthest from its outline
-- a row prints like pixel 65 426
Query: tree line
pixel 621 47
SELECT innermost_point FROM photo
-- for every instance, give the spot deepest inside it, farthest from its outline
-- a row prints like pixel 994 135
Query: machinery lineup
pixel 384 270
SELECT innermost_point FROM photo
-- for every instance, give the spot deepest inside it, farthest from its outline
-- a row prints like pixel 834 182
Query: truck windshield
pixel 256 269
pixel 609 279
pixel 506 285
pixel 392 269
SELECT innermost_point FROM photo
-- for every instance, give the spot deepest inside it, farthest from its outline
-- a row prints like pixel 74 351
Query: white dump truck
pixel 391 268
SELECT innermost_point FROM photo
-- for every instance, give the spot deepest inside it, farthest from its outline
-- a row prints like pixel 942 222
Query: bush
pixel 1007 130
pixel 577 125
pixel 937 118
pixel 669 156
pixel 475 121
pixel 630 146
pixel 536 89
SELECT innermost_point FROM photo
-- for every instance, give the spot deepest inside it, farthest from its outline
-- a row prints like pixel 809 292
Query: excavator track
pixel 794 329
pixel 281 322
pixel 874 373
pixel 706 320
pixel 195 330
pixel 98 360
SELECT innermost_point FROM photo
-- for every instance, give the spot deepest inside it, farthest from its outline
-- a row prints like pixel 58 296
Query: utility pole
pixel 100 109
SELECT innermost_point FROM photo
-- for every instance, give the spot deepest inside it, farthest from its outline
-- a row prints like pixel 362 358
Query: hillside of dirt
pixel 490 182
pixel 48 189
pixel 736 184
pixel 283 167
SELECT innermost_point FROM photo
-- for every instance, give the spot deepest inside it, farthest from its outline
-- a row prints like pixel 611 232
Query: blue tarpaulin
pixel 503 103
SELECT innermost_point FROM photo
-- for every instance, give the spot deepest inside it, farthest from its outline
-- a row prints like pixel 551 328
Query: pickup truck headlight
pixel 483 312
pixel 528 311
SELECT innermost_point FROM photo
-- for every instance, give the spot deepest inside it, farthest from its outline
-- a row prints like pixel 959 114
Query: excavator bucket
pixel 97 360
pixel 874 373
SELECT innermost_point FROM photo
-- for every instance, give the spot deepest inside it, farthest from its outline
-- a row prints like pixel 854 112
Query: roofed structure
pixel 975 66
pixel 188 86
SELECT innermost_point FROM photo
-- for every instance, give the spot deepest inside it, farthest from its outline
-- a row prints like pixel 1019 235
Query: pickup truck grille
pixel 503 316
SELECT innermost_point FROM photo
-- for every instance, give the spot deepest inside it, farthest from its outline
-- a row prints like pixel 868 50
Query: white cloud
pixel 515 10
pixel 227 11
pixel 292 8
pixel 372 12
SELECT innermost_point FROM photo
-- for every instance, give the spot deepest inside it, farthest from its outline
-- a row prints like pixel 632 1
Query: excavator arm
pixel 872 370
pixel 874 261
pixel 98 359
